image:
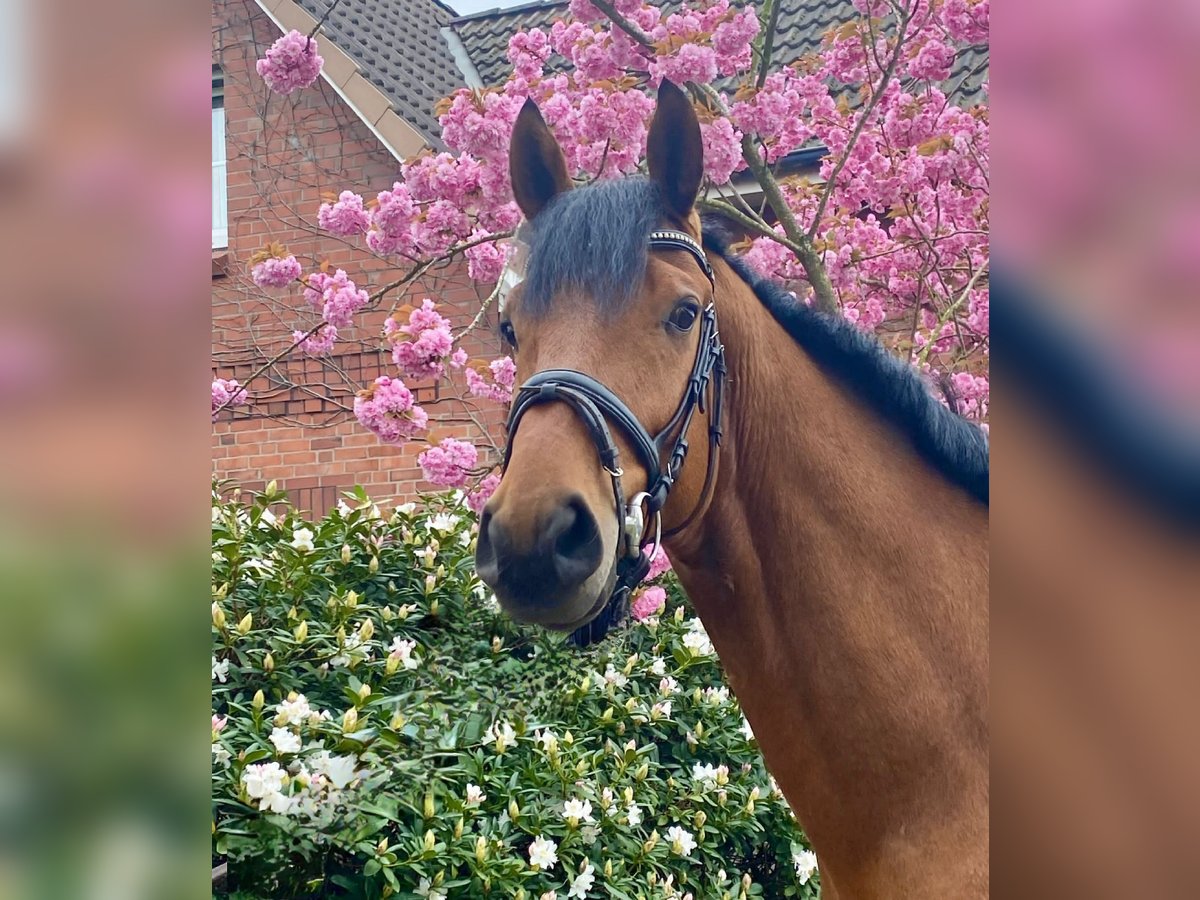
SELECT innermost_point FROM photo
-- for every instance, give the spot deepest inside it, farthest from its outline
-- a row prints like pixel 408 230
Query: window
pixel 220 200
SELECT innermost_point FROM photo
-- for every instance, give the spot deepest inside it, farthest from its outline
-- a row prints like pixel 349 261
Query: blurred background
pixel 105 470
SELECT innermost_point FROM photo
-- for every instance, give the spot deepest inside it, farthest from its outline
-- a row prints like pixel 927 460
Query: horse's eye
pixel 508 334
pixel 684 315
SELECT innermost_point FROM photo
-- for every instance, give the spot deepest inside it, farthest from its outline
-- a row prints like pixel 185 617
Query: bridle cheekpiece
pixel 598 408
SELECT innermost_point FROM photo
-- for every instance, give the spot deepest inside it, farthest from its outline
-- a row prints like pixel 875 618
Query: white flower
pixel 444 522
pixel 681 841
pixel 475 794
pixel 406 509
pixel 549 895
pixel 277 803
pixel 548 740
pixel 220 755
pixel 429 892
pixel 402 652
pixel 583 882
pixel 634 815
pixel 302 540
pixel 710 776
pixel 696 640
pixel 293 712
pixel 543 853
pixel 220 670
pixel 338 769
pixel 267 519
pixel 661 710
pixel 716 695
pixel 502 734
pixel 285 741
pixel 805 862
pixel 615 678
pixel 262 780
pixel 589 834
pixel 668 686
pixel 343 508
pixel 746 729
pixel 575 811
pixel 658 667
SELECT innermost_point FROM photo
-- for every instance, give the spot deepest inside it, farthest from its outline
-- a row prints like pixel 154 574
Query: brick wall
pixel 283 154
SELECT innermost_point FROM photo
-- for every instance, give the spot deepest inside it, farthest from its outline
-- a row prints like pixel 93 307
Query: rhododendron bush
pixel 889 230
pixel 380 728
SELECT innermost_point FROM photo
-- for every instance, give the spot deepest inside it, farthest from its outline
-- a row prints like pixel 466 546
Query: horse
pixel 827 516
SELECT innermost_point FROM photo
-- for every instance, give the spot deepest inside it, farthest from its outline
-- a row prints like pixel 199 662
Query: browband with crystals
pixel 677 240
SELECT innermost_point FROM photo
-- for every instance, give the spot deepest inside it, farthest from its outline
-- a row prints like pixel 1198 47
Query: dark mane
pixel 956 447
pixel 594 240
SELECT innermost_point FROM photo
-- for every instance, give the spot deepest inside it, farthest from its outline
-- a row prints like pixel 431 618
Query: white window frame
pixel 220 192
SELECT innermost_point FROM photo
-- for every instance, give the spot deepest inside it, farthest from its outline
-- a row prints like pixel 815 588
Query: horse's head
pixel 619 305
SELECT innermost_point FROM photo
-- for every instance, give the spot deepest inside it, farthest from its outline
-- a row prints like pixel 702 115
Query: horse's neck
pixel 844 584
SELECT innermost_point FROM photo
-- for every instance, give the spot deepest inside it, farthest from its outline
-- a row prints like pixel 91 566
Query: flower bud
pixel 244 626
pixel 440 572
pixel 608 715
pixel 218 616
pixel 349 720
pixel 481 849
pixel 700 819
pixel 514 811
pixel 755 793
pixel 458 828
pixel 629 664
pixel 520 894
pixel 652 878
pixel 366 630
pixel 351 599
pixel 497 644
pixel 679 614
pixel 220 592
pixel 642 771
pixel 382 847
pixel 269 490
pixel 346 554
pixel 586 684
pixel 364 691
pixel 269 663
pixel 427 807
pixel 746 882
pixel 429 842
pixel 257 703
pixel 608 868
pixel 430 584
pixel 387 614
pixel 301 632
pixel 373 566
pixel 581 767
pixel 630 704
pixel 568 739
pixel 750 807
pixel 397 721
pixel 392 664
pixel 699 730
pixel 434 606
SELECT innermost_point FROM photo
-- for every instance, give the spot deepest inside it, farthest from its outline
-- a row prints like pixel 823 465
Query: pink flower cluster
pixel 338 298
pixel 479 497
pixel 346 217
pixel 387 409
pixel 659 563
pixel 431 342
pixel 226 393
pixel 449 463
pixel 500 387
pixel 318 343
pixel 291 63
pixel 485 261
pixel 972 393
pixel 276 272
pixel 648 602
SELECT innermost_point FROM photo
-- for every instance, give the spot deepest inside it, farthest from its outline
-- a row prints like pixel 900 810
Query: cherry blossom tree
pixel 890 230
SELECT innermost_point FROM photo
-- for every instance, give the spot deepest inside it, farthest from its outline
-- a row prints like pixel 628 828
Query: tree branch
pixel 768 41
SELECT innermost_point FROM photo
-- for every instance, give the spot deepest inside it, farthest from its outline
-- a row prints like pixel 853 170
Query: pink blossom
pixel 387 409
pixel 722 150
pixel 346 217
pixel 317 344
pixel 276 272
pixel 448 464
pixel 479 497
pixel 659 563
pixel 503 372
pixel 458 358
pixel 485 262
pixel 218 723
pixel 691 62
pixel 431 342
pixel 226 393
pixel 732 41
pixel 291 63
pixel 648 602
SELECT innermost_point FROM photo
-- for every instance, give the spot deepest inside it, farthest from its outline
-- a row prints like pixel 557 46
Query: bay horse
pixel 826 515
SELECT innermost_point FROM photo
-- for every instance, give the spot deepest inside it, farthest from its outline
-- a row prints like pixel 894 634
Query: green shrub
pixel 382 729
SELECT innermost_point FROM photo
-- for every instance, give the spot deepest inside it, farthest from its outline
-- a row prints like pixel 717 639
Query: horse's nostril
pixel 575 539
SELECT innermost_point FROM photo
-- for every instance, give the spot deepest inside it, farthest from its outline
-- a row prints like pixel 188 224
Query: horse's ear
pixel 674 151
pixel 535 162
